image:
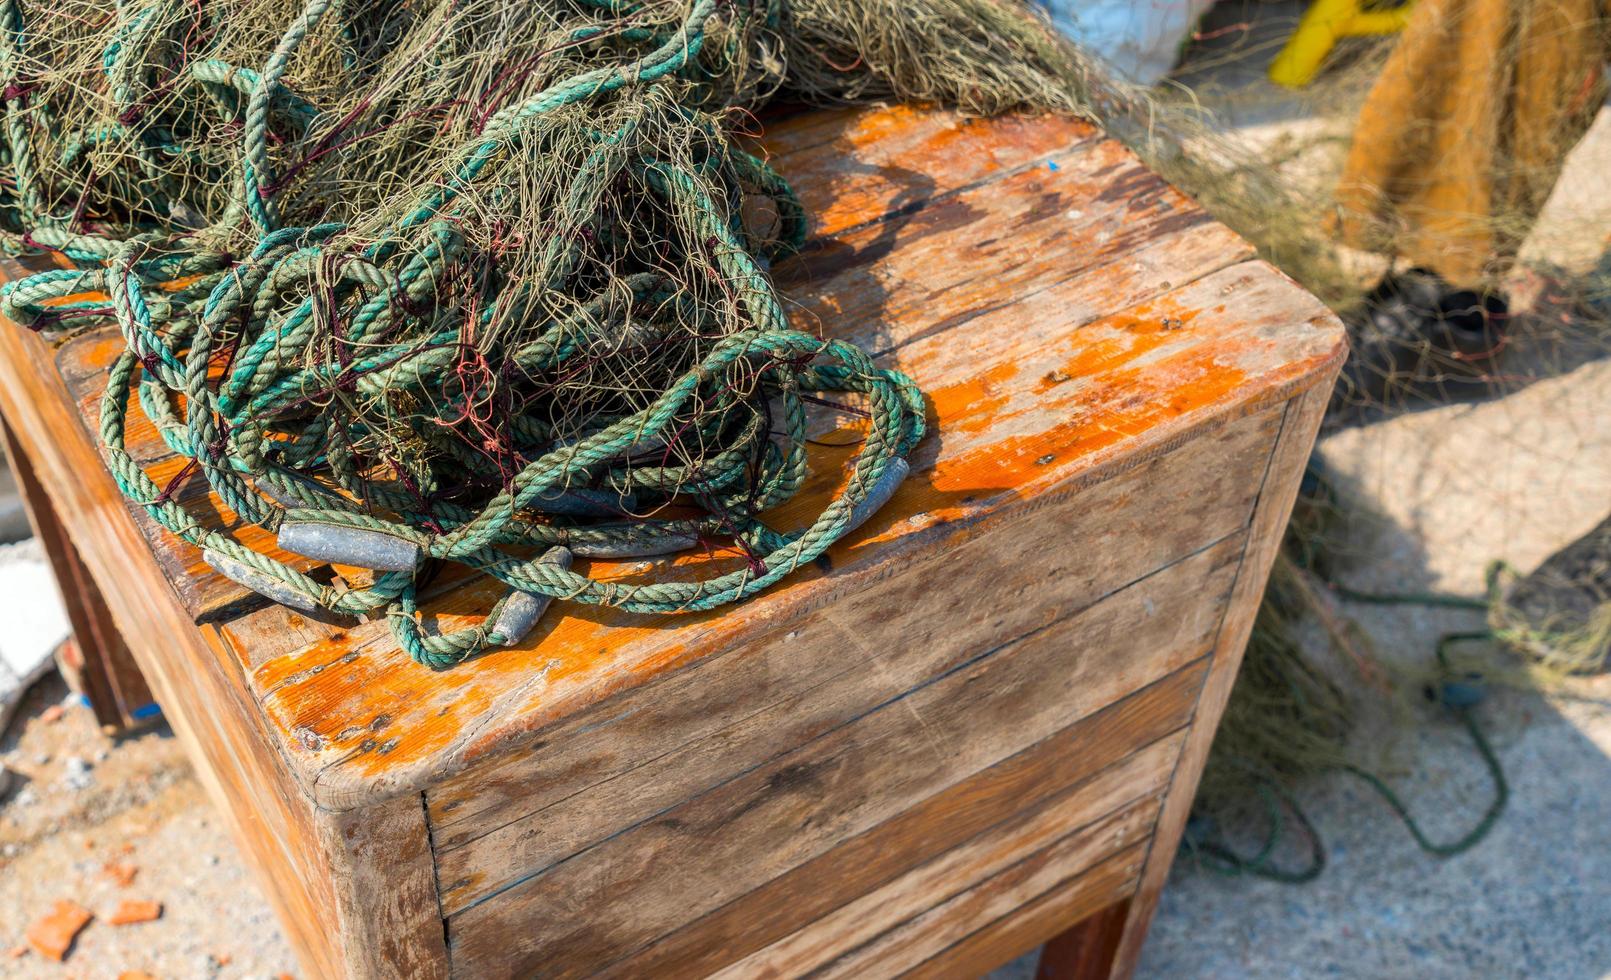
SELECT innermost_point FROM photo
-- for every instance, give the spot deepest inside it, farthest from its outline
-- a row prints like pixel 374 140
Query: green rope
pixel 387 374
pixel 1218 856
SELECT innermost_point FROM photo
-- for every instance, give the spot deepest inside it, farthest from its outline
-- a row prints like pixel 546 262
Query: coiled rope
pixel 392 381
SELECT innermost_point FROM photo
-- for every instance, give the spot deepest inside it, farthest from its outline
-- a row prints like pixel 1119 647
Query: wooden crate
pixel 977 723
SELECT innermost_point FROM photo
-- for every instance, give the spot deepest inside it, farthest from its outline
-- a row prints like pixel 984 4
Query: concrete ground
pixel 1434 494
pixel 1446 491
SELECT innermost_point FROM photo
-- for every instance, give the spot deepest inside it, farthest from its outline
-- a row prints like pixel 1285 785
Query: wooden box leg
pixel 1086 951
pixel 112 682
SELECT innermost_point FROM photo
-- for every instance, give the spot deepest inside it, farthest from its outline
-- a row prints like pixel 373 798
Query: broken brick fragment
pixel 121 873
pixel 135 975
pixel 52 935
pixel 130 911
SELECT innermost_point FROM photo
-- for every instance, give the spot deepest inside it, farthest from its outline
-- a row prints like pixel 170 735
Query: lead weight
pixel 274 493
pixel 359 546
pixel 583 503
pixel 263 584
pixel 888 482
pixel 633 544
pixel 288 501
pixel 521 610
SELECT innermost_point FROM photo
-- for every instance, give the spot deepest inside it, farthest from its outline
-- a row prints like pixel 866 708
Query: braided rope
pixel 317 378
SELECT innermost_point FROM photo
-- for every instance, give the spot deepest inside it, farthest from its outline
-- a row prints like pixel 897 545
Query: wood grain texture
pixel 933 935
pixel 1115 808
pixel 725 714
pixel 643 881
pixel 954 229
pixel 1298 431
pixel 386 903
pixel 846 864
pixel 365 723
pixel 922 727
pixel 1036 918
pixel 827 173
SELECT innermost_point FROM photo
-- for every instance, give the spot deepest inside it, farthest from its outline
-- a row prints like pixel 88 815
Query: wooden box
pixel 978 723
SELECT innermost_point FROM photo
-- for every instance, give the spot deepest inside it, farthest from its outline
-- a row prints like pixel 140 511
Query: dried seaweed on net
pixel 471 280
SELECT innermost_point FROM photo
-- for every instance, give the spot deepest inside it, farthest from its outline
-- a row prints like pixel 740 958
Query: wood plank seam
pixel 962 887
pixel 1013 513
pixel 910 894
pixel 1000 518
pixel 1212 658
pixel 469 872
pixel 1139 694
pixel 436 877
pixel 1128 860
pixel 1002 521
pixel 963 665
pixel 515 883
pixel 734 715
pixel 1120 873
pixel 890 702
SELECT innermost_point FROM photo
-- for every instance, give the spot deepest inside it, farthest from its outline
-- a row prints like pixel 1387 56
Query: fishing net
pixel 1507 303
pixel 470 281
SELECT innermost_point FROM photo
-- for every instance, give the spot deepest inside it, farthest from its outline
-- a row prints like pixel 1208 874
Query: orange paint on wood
pixel 1132 378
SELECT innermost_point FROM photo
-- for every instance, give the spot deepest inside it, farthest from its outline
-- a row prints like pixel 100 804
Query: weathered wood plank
pixel 1068 404
pixel 780 683
pixel 386 901
pixel 656 879
pixel 1035 919
pixel 1036 685
pixel 883 199
pixel 1126 788
pixel 850 170
pixel 1274 509
pixel 929 268
pixel 859 864
pixel 933 932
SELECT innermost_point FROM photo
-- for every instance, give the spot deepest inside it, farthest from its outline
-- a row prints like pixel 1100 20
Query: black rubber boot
pixel 1415 336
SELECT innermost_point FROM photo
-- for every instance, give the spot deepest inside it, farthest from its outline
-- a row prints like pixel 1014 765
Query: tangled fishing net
pixel 475 281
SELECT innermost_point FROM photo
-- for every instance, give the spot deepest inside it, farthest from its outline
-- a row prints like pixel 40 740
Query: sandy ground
pixel 68 833
pixel 1436 494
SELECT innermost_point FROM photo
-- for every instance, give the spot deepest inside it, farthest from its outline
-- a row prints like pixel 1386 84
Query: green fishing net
pixel 472 281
